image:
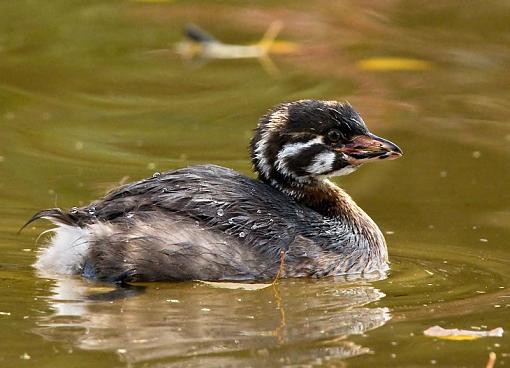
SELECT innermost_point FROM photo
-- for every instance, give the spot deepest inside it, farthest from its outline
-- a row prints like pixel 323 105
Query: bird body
pixel 212 223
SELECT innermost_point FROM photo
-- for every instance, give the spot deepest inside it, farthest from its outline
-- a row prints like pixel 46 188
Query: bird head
pixel 302 141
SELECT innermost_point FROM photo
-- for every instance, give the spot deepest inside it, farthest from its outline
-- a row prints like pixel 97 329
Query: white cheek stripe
pixel 260 154
pixel 290 150
pixel 322 163
pixel 277 118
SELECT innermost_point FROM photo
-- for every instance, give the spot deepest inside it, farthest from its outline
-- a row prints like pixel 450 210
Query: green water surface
pixel 92 94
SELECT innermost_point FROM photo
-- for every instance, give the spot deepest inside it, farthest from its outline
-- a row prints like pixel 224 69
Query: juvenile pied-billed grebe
pixel 211 223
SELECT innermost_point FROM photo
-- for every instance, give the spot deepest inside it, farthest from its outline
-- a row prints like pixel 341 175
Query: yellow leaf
pixel 459 337
pixel 393 63
pixel 280 47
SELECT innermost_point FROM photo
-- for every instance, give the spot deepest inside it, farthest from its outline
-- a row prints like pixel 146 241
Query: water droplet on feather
pixel 220 212
pixel 242 234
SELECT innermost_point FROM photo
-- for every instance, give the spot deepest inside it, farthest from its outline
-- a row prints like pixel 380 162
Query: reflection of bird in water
pixel 212 223
pixel 189 322
pixel 200 46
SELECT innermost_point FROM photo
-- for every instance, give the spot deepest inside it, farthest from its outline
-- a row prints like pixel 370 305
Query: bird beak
pixel 369 147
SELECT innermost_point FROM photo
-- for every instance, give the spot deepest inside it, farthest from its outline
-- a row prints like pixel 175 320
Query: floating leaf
pixel 393 63
pixel 280 47
pixel 461 335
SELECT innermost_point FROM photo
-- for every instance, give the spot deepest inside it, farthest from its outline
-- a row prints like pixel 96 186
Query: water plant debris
pixel 456 334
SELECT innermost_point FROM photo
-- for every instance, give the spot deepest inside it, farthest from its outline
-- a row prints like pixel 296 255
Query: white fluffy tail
pixel 66 251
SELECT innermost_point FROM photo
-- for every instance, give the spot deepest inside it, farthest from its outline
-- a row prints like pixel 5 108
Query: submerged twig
pixel 491 361
pixel 279 331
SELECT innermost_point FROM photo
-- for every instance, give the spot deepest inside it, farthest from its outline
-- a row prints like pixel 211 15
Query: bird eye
pixel 334 135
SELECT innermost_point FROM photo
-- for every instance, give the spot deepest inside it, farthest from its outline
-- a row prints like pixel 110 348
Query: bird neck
pixel 331 201
pixel 328 199
pixel 320 195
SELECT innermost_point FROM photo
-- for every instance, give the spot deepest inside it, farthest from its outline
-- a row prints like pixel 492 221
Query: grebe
pixel 212 223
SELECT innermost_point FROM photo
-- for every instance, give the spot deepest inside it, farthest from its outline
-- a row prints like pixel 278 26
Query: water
pixel 90 98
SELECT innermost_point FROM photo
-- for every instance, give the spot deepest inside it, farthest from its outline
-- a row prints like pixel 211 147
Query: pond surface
pixel 92 94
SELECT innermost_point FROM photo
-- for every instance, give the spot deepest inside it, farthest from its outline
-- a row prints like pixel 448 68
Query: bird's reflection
pixel 193 324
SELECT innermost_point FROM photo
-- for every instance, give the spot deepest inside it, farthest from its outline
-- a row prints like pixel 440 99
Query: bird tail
pixel 55 215
pixel 66 251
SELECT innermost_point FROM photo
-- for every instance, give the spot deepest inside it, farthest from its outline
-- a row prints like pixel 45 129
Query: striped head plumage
pixel 298 143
